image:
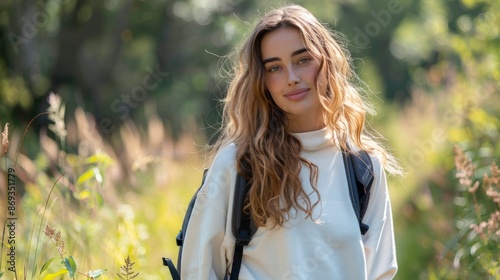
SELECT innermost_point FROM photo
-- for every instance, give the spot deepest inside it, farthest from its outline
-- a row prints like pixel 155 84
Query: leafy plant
pixel 69 262
pixel 86 180
pixel 97 162
pixel 478 252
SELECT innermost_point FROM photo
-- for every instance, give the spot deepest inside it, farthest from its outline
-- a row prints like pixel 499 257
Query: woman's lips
pixel 297 94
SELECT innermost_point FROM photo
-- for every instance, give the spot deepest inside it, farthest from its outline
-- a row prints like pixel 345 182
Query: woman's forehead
pixel 281 42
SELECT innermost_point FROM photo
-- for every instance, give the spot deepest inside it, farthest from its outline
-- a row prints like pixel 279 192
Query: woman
pixel 291 107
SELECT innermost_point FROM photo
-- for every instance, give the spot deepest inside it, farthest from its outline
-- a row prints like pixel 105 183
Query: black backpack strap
pixel 359 173
pixel 182 233
pixel 363 168
pixel 171 267
pixel 242 225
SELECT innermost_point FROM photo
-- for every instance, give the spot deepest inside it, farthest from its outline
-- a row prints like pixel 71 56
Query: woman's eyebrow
pixel 297 52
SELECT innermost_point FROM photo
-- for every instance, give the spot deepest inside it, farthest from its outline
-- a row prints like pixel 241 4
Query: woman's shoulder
pixel 376 159
pixel 375 156
pixel 220 177
pixel 225 154
pixel 224 160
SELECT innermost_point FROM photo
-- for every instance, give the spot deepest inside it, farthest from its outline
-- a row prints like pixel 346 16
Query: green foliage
pixel 46 264
pixel 93 274
pixel 70 265
pixel 454 101
pixel 69 203
pixel 98 162
pixel 474 251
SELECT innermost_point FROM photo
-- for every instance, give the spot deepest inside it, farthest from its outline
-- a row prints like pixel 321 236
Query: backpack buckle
pixel 179 239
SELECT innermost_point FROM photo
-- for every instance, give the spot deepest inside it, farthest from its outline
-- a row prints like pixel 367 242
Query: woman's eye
pixel 304 60
pixel 273 68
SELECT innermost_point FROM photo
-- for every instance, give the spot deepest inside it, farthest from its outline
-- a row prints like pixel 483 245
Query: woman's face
pixel 290 74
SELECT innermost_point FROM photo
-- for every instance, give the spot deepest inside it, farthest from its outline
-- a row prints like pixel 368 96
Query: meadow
pixel 81 202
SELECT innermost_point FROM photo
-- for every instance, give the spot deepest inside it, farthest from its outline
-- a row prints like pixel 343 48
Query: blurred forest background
pixel 113 159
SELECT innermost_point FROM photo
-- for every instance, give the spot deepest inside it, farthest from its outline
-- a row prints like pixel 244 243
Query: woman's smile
pixel 297 94
pixel 291 76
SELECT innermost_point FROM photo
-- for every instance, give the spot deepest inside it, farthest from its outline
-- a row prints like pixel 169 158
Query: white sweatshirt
pixel 328 247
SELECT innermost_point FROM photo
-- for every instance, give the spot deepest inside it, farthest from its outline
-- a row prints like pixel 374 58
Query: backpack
pixel 359 173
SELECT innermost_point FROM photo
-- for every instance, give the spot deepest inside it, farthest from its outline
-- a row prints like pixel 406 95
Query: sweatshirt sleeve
pixel 379 244
pixel 203 256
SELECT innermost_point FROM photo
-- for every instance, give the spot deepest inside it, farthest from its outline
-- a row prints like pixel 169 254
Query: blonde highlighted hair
pixel 267 154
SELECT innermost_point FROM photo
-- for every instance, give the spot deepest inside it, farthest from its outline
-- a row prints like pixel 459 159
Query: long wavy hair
pixel 267 154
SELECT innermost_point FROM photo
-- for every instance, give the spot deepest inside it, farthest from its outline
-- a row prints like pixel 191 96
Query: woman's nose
pixel 293 77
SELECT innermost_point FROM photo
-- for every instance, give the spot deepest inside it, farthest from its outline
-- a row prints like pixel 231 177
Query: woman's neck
pixel 305 125
pixel 307 122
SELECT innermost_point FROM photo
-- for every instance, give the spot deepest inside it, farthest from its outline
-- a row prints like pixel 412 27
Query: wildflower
pixel 476 228
pixel 5 138
pixel 474 188
pixel 55 235
pixel 465 167
pixel 50 232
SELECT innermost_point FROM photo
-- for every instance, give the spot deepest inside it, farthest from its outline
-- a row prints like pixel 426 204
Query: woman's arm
pixel 203 256
pixel 380 250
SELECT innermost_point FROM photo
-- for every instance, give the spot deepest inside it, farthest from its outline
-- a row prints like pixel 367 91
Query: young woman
pixel 291 107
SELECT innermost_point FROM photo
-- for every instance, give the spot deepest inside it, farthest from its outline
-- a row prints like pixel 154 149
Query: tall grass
pixel 105 208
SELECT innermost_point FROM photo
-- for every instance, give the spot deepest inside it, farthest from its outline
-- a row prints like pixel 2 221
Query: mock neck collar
pixel 314 140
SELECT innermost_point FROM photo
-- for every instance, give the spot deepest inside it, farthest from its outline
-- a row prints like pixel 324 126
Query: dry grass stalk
pixel 56 114
pixel 5 139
